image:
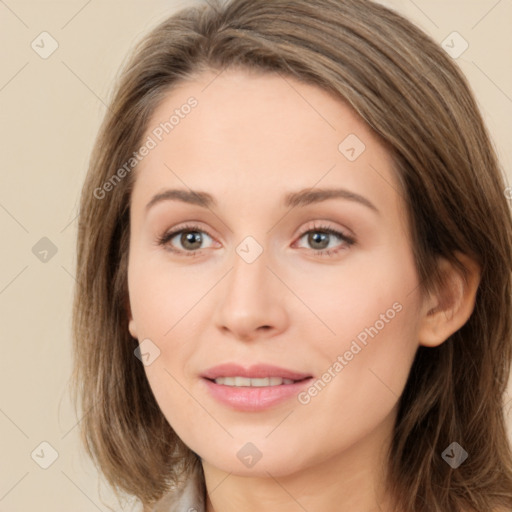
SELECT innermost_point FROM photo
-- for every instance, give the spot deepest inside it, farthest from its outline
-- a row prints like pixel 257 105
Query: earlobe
pixel 132 328
pixel 131 322
pixel 446 311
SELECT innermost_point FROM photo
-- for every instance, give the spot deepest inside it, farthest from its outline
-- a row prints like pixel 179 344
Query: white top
pixel 189 499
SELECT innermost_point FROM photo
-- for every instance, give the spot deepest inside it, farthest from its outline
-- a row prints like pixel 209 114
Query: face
pixel 270 272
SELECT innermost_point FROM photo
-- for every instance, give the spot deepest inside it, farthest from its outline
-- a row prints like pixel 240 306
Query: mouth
pixel 242 382
pixel 255 373
pixel 253 389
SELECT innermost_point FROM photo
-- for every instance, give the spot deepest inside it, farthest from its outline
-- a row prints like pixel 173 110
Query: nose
pixel 251 301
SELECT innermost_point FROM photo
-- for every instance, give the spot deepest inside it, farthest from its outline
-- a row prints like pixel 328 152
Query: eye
pixel 190 237
pixel 319 238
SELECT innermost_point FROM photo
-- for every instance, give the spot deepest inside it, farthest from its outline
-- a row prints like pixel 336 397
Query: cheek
pixel 366 293
pixel 161 297
pixel 362 380
pixel 372 313
pixel 162 305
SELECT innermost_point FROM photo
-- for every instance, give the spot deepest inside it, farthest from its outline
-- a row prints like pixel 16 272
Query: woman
pixel 254 369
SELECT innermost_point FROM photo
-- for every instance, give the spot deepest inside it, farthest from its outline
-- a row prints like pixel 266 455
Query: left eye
pixel 323 237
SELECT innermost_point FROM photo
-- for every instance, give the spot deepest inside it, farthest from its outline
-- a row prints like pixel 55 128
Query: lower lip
pixel 249 399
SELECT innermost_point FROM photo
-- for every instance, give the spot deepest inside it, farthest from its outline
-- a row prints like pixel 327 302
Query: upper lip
pixel 252 372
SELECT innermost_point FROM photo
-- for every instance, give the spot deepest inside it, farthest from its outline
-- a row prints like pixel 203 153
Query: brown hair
pixel 410 92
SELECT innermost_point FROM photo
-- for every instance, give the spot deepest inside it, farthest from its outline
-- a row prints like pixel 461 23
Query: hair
pixel 418 102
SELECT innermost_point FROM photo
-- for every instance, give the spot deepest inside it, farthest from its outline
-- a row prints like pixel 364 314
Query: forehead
pixel 259 132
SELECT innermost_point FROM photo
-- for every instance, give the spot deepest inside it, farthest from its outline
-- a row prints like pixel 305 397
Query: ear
pixel 449 308
pixel 131 322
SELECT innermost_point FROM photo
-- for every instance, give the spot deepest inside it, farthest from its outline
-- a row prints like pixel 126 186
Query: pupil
pixel 189 238
pixel 317 237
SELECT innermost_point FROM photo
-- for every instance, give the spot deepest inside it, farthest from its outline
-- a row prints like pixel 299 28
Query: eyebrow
pixel 186 196
pixel 291 200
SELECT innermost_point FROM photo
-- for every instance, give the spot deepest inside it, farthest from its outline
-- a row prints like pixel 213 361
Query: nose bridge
pixel 250 273
pixel 251 298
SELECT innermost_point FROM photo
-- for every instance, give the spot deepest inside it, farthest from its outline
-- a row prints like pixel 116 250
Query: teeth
pixel 246 382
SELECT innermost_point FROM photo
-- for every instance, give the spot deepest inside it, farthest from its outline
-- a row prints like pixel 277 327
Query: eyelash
pixel 166 237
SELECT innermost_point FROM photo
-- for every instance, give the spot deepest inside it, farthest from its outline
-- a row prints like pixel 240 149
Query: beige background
pixel 50 110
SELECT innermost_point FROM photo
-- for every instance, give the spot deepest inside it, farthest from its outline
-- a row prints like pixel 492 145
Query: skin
pixel 252 139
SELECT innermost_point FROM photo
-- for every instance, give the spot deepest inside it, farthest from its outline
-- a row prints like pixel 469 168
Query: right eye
pixel 190 237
